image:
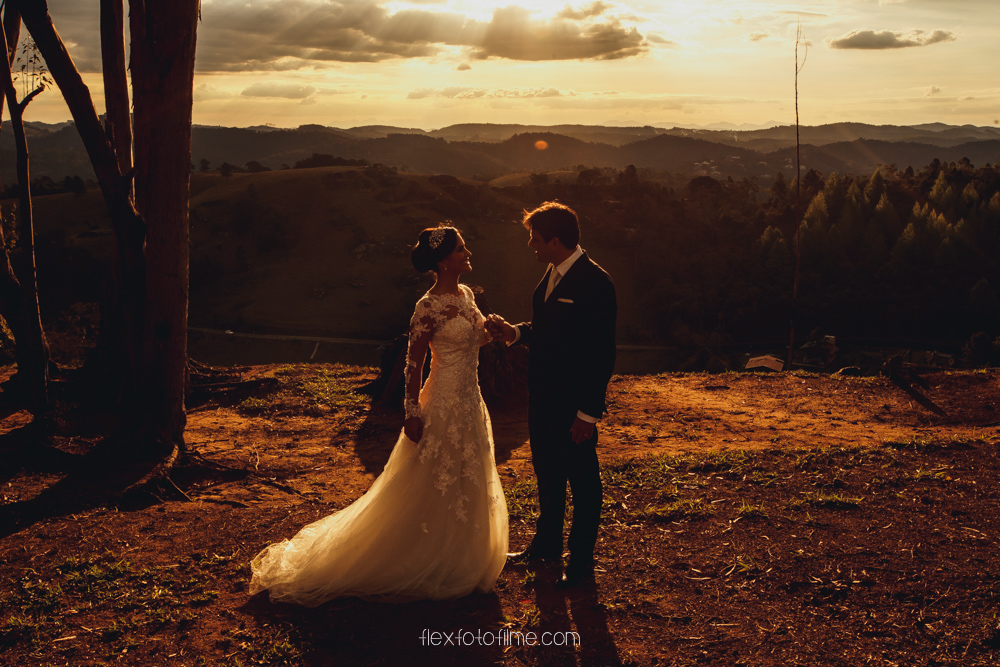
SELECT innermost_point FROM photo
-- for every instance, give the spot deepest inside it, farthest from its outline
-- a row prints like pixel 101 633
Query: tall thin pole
pixel 798 199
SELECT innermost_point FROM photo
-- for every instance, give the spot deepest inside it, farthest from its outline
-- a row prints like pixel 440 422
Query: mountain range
pixel 487 151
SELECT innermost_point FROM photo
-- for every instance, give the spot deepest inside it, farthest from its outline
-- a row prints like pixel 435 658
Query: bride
pixel 434 523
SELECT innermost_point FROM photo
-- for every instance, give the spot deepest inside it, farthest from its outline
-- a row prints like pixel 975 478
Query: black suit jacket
pixel 571 341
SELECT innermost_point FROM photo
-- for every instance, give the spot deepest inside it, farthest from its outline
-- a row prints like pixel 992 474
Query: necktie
pixel 553 281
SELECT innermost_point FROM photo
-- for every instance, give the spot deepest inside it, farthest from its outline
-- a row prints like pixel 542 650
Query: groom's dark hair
pixel 554 220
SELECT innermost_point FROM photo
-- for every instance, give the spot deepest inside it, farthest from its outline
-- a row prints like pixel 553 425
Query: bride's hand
pixel 499 328
pixel 413 428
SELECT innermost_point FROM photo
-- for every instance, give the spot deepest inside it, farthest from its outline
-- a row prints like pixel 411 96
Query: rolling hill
pixel 487 151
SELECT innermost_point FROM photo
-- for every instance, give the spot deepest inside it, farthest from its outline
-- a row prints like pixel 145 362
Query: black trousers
pixel 558 460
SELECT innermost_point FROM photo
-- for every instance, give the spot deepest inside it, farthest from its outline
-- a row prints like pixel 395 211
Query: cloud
pixel 757 36
pixel 465 93
pixel 287 35
pixel 932 91
pixel 594 9
pixel 261 35
pixel 530 92
pixel 801 13
pixel 78 22
pixel 291 91
pixel 464 67
pixel 460 92
pixel 658 39
pixel 206 92
pixel 514 35
pixel 887 39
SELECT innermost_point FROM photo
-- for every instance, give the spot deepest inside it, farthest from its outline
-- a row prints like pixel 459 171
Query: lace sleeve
pixel 422 326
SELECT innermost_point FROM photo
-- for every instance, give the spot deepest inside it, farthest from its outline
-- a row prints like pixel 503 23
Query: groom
pixel 571 340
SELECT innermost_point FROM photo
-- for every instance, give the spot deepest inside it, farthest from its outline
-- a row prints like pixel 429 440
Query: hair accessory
pixel 437 236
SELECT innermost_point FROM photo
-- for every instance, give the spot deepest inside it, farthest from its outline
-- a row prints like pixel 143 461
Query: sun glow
pixel 483 9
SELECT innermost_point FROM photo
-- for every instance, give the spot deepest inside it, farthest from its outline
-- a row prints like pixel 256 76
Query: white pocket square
pixel 564 300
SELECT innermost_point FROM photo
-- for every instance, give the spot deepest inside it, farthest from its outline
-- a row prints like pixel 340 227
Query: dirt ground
pixel 750 519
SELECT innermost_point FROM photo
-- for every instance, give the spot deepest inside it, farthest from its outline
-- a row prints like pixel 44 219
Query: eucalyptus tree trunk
pixel 122 365
pixel 10 288
pixel 32 350
pixel 118 344
pixel 118 119
pixel 163 50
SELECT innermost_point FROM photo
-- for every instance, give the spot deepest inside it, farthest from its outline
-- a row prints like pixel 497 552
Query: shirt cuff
pixel 587 418
pixel 517 336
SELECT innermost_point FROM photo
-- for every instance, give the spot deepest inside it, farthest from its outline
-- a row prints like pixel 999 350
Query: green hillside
pixel 703 266
pixel 316 252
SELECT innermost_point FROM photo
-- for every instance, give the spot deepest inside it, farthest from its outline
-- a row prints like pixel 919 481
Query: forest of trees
pixel 901 256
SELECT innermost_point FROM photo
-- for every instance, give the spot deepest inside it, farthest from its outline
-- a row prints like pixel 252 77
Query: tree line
pixel 908 256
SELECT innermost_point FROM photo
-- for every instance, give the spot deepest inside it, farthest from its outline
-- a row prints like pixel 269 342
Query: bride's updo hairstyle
pixel 433 245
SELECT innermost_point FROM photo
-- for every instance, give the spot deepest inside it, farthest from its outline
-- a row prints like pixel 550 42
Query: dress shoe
pixel 531 556
pixel 579 577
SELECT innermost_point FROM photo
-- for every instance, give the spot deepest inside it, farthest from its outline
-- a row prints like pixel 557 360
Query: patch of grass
pixel 531 616
pixel 689 509
pixel 921 444
pixel 763 478
pixel 742 565
pixel 214 559
pixel 94 576
pixel 939 473
pixel 38 597
pixel 915 443
pixel 712 462
pixel 811 458
pixel 622 474
pixel 522 499
pixel 671 493
pixel 826 500
pixel 16 628
pixel 735 460
pixel 159 617
pixel 272 651
pixel 115 631
pixel 253 405
pixel 328 388
pixel 204 598
pixel 748 511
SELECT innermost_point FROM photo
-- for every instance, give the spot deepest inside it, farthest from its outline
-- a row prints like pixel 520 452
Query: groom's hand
pixel 500 329
pixel 581 431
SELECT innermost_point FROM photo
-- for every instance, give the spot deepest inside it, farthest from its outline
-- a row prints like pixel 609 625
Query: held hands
pixel 413 428
pixel 500 329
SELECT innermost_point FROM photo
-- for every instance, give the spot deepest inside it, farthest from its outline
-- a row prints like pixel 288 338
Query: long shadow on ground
pixel 350 631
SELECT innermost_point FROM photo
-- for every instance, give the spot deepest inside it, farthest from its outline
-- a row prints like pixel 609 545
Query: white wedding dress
pixel 434 523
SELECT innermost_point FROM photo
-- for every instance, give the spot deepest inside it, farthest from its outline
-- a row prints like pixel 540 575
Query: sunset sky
pixel 433 63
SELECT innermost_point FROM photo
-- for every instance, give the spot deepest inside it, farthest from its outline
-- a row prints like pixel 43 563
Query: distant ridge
pixel 487 151
pixel 380 131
